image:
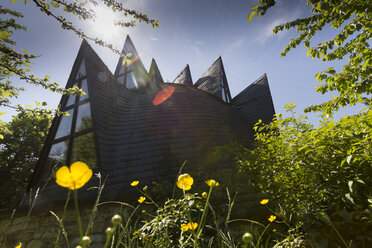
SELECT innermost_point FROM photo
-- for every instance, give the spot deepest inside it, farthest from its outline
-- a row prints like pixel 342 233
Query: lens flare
pixel 132 61
pixel 163 95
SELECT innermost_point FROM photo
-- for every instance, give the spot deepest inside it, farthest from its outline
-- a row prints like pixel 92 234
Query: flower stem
pixel 78 220
pixel 259 240
pixel 200 227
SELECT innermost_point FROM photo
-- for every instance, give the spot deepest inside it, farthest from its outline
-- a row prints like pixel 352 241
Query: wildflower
pixel 134 183
pixel 272 218
pixel 19 245
pixel 185 181
pixel 116 219
pixel 74 177
pixel 264 201
pixel 145 239
pixel 204 195
pixel 145 188
pixel 85 241
pixel 247 237
pixel 184 227
pixel 141 199
pixel 212 183
pixel 109 231
pixel 192 225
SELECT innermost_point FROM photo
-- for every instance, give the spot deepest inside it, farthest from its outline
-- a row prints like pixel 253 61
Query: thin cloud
pixel 280 15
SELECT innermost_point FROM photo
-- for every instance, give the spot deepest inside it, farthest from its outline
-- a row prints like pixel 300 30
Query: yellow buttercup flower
pixel 141 199
pixel 19 245
pixel 212 183
pixel 185 181
pixel 134 183
pixel 184 227
pixel 192 225
pixel 272 218
pixel 74 177
pixel 264 201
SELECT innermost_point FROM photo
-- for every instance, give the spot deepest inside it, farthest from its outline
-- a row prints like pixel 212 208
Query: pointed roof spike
pixel 135 66
pixel 255 101
pixel 154 73
pixel 184 77
pixel 214 81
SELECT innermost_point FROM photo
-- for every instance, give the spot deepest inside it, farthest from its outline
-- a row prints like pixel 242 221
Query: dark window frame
pixel 73 134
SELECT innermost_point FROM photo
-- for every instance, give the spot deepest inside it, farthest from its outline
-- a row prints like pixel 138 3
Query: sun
pixel 104 24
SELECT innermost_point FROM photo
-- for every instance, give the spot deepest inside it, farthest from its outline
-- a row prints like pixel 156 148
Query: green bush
pixel 321 176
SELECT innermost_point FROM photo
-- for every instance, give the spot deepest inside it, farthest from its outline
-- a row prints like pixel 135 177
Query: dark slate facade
pixel 119 129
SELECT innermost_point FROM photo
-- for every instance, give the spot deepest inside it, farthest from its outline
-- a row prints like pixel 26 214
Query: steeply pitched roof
pixel 184 77
pixel 135 67
pixel 154 73
pixel 214 81
pixel 255 102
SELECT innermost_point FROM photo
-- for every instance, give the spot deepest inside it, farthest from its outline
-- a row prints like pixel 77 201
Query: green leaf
pixel 251 15
pixel 54 4
pixel 2 113
pixel 348 159
pixel 4 34
pixel 308 52
pixel 350 184
pixel 254 7
pixel 14 1
pixel 348 196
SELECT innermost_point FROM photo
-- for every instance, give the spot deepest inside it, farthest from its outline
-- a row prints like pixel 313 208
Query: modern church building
pixel 131 125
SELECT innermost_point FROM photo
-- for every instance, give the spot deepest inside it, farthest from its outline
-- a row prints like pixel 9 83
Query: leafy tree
pixel 315 172
pixel 353 20
pixel 16 63
pixel 20 146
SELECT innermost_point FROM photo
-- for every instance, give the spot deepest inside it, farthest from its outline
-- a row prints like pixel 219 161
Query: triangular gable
pixel 184 77
pixel 214 81
pixel 255 102
pixel 132 74
pixel 154 73
pixel 71 137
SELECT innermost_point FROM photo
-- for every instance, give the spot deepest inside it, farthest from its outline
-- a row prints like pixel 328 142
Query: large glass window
pixel 81 72
pixel 131 81
pixel 58 152
pixel 64 127
pixel 57 158
pixel 223 95
pixel 76 144
pixel 84 149
pixel 71 100
pixel 122 69
pixel 83 119
pixel 121 79
pixel 84 87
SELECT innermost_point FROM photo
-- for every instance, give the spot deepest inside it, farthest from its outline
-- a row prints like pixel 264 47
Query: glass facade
pixel 64 127
pixel 84 149
pixel 131 81
pixel 83 119
pixel 84 87
pixel 81 73
pixel 74 144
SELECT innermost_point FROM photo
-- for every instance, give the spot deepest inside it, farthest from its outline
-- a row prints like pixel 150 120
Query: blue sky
pixel 193 32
